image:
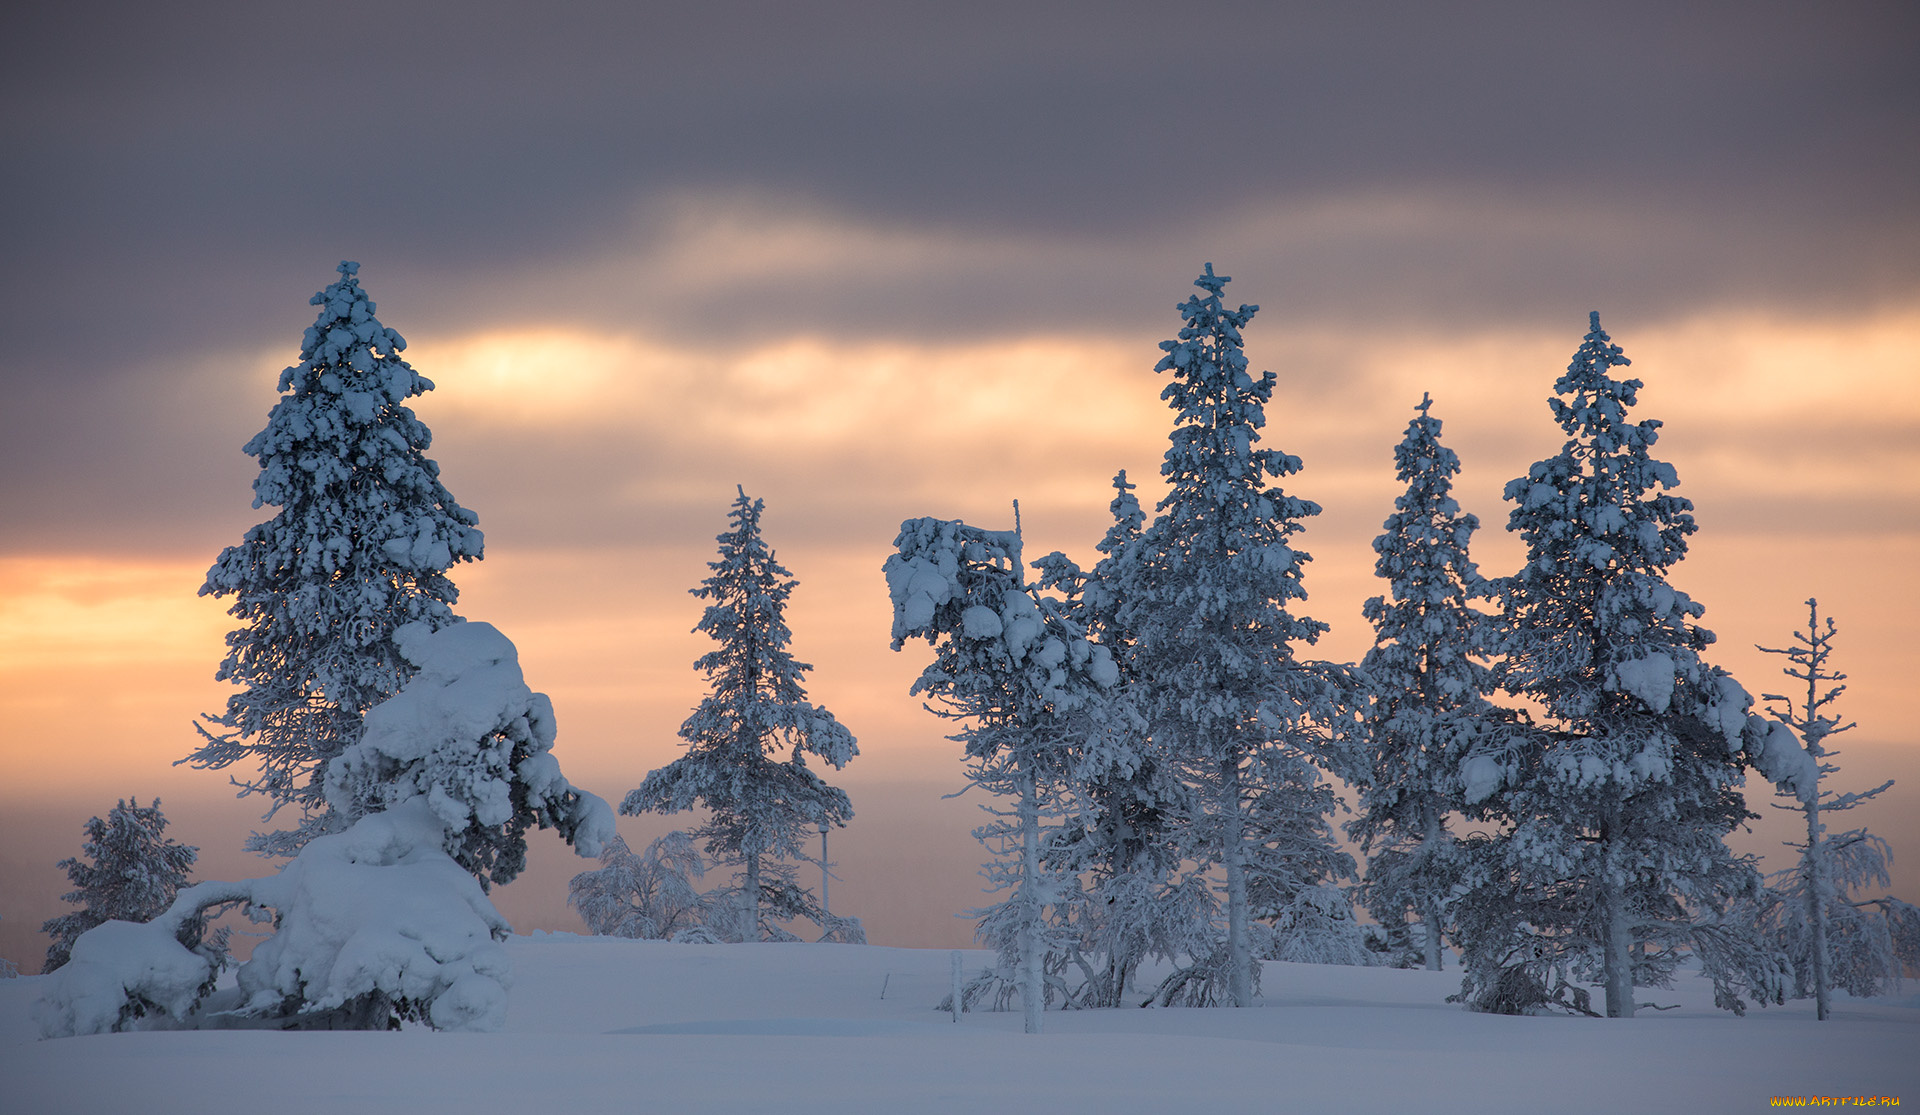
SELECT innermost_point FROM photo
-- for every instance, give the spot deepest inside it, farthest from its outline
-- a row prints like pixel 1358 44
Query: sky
pixel 879 261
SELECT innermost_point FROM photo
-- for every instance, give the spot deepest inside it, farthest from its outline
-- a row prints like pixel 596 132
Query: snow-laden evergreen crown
pixel 1217 571
pixel 360 548
pixel 1594 630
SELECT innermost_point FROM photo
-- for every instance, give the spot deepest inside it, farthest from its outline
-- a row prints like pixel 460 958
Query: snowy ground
pixel 599 1025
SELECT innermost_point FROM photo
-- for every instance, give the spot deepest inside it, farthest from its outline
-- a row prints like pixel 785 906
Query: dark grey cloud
pixel 228 147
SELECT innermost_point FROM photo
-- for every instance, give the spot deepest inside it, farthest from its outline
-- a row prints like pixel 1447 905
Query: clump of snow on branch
pixel 936 588
pixel 381 908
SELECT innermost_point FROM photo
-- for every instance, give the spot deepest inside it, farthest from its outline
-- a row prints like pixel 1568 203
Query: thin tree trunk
pixel 1814 731
pixel 1239 952
pixel 750 900
pixel 1032 973
pixel 1618 946
pixel 1429 917
pixel 1817 906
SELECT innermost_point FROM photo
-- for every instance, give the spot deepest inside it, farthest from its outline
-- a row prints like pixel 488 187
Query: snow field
pixel 607 1025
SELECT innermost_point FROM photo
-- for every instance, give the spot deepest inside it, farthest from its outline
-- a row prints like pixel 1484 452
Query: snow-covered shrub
pixel 381 910
pixel 375 917
pixel 648 896
pixel 379 923
pixel 836 930
pixel 1316 926
pixel 10 970
pixel 468 737
pixel 360 547
pixel 131 872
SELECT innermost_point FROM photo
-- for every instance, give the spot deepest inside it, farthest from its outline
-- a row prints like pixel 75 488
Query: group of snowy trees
pixel 1167 742
pixel 415 756
pixel 406 739
pixel 1164 743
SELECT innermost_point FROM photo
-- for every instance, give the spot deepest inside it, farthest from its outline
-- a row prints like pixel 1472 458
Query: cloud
pixel 176 179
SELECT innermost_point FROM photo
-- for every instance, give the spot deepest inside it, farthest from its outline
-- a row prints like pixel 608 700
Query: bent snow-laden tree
pixel 378 923
pixel 470 738
pixel 1809 910
pixel 1209 609
pixel 1428 682
pixel 1614 865
pixel 1028 690
pixel 131 872
pixel 762 809
pixel 360 548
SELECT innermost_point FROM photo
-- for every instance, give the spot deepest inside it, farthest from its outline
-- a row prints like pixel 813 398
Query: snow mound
pixel 380 909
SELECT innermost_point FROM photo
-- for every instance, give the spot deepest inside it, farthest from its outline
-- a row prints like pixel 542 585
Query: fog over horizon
pixel 874 263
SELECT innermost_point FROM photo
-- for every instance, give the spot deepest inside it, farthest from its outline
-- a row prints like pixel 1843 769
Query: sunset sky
pixel 878 261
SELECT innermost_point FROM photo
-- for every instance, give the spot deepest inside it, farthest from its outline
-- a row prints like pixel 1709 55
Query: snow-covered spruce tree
pixel 762 809
pixel 1029 691
pixel 131 872
pixel 1832 940
pixel 1615 863
pixel 1142 902
pixel 1219 683
pixel 649 896
pixel 469 737
pixel 1428 682
pixel 360 547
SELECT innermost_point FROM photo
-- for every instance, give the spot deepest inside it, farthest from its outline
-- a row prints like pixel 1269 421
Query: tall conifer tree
pixel 360 548
pixel 1428 684
pixel 1142 900
pixel 1620 806
pixel 763 809
pixel 1215 636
